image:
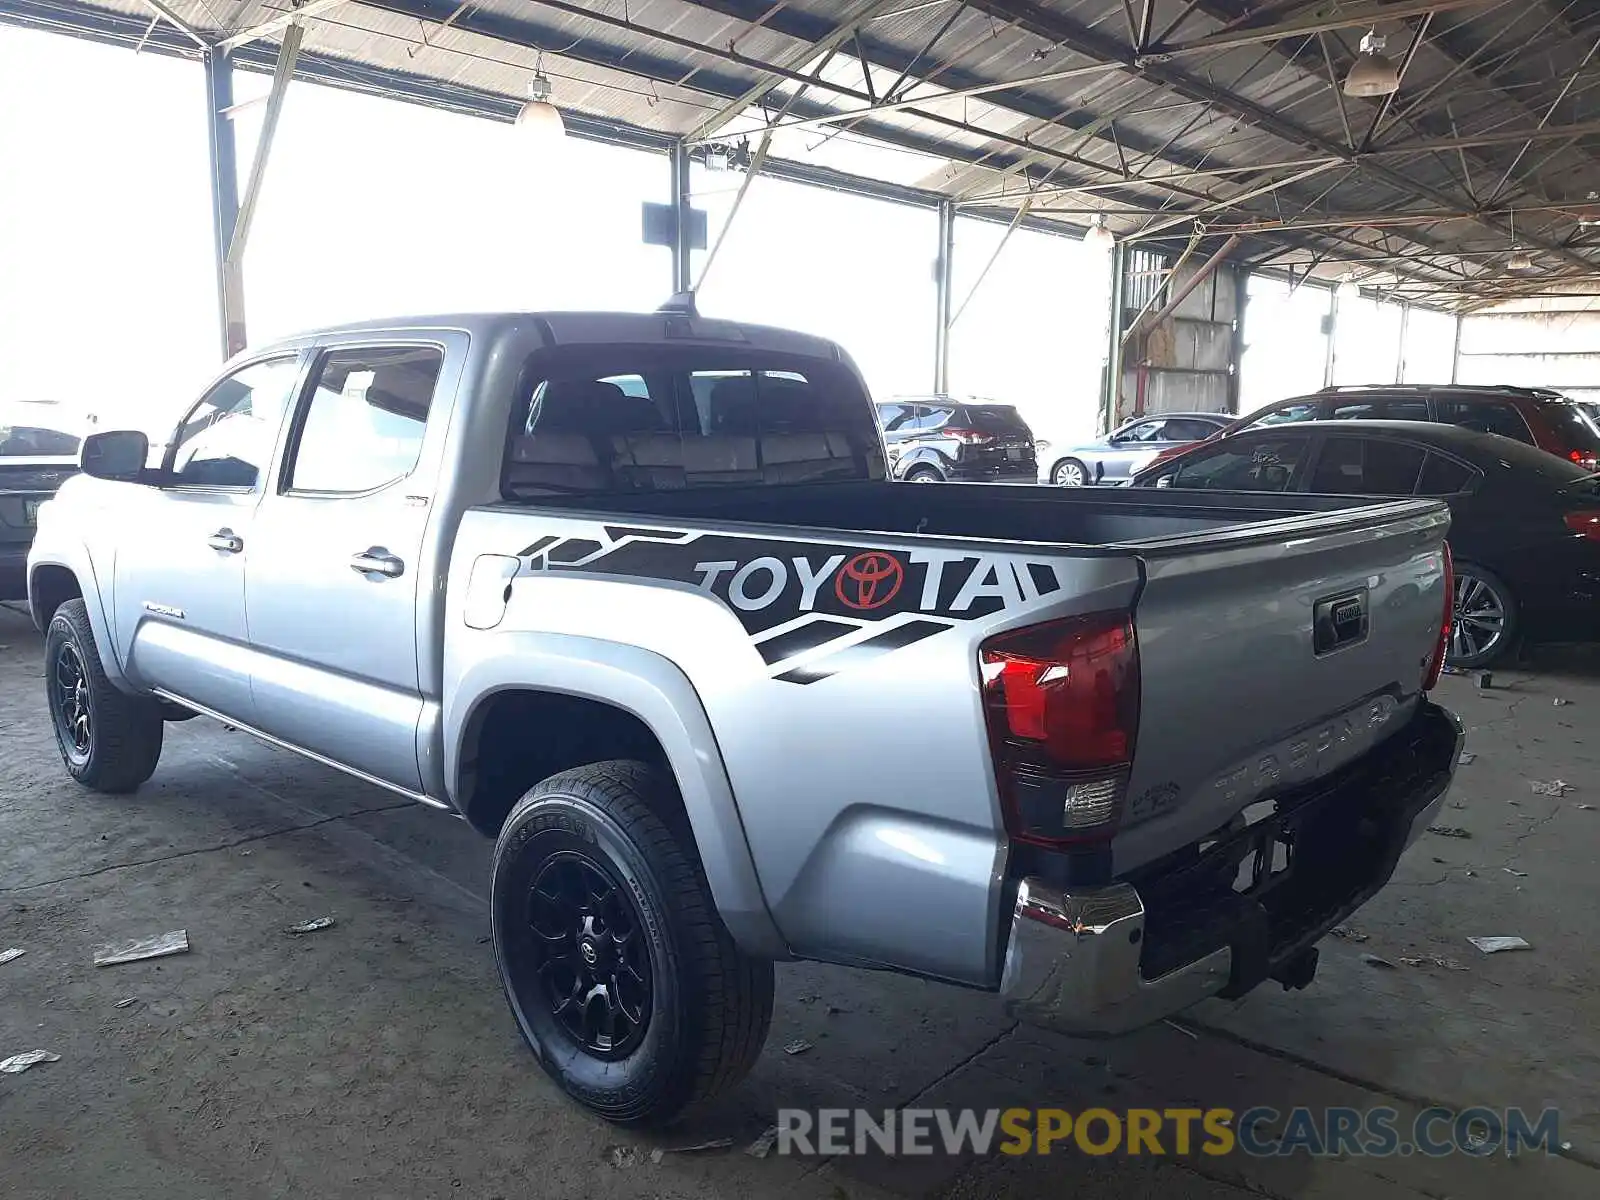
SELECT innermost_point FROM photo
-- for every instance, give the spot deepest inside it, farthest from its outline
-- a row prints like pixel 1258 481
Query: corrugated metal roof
pixel 1093 115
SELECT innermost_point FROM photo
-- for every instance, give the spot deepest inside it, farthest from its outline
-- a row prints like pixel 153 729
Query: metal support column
pixel 233 263
pixel 1455 353
pixel 943 283
pixel 1405 332
pixel 224 174
pixel 682 279
pixel 1333 336
pixel 1241 305
pixel 1111 391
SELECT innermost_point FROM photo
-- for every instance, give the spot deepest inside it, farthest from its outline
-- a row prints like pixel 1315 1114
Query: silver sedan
pixel 1112 459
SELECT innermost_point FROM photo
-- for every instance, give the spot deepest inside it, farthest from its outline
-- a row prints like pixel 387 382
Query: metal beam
pixel 944 284
pixel 1241 198
pixel 1351 17
pixel 233 265
pixel 978 89
pixel 224 171
pixel 172 18
pixel 278 24
pixel 1504 137
pixel 855 15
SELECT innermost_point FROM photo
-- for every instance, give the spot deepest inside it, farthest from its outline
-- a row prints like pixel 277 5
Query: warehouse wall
pixel 1551 342
pixel 1187 363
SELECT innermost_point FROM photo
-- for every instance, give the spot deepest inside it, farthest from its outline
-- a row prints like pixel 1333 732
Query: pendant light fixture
pixel 1372 74
pixel 538 117
pixel 1098 238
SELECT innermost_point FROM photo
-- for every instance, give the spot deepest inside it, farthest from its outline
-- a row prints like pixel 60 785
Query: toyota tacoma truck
pixel 633 595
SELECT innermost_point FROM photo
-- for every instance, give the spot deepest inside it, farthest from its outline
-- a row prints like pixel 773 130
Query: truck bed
pixel 1077 517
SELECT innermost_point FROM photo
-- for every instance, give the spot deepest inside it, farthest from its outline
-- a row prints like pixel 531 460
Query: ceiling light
pixel 538 116
pixel 1372 74
pixel 1521 260
pixel 1348 290
pixel 1098 238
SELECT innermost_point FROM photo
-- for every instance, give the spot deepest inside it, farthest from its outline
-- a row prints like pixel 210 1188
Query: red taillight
pixel 968 437
pixel 1586 522
pixel 1587 459
pixel 1436 663
pixel 1062 705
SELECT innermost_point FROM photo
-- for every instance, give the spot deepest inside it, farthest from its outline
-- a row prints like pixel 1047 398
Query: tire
pixel 1069 472
pixel 1484 620
pixel 109 741
pixel 924 475
pixel 582 855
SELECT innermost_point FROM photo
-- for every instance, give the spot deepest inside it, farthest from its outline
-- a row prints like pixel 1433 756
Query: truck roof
pixel 579 328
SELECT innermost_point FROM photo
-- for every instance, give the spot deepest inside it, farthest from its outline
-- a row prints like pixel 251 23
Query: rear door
pixel 998 438
pixel 337 564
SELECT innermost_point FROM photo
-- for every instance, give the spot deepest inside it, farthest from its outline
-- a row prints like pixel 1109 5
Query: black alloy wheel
pixel 595 971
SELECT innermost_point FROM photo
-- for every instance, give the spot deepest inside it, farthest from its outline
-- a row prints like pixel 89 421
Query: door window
pixel 1144 431
pixel 1486 416
pixel 363 424
pixel 1305 410
pixel 227 438
pixel 931 418
pixel 893 416
pixel 1265 464
pixel 1367 467
pixel 1187 429
pixel 1444 477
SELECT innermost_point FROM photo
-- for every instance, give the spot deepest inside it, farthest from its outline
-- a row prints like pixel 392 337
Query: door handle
pixel 377 561
pixel 226 540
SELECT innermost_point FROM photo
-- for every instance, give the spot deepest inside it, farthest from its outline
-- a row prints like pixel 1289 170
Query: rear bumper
pixel 1109 960
pixel 13 570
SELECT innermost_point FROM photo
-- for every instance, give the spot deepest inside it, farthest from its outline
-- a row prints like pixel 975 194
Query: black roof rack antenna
pixel 680 304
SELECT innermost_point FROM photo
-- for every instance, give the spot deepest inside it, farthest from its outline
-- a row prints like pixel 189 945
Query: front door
pixel 336 563
pixel 178 596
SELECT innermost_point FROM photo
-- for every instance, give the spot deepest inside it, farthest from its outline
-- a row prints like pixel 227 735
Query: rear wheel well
pixel 515 739
pixel 48 589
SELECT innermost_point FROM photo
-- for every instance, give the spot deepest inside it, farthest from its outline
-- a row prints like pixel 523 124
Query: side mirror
pixel 117 454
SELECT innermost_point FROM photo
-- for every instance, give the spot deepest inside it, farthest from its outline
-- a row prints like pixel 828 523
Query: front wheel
pixel 621 976
pixel 1069 472
pixel 109 741
pixel 1484 620
pixel 924 475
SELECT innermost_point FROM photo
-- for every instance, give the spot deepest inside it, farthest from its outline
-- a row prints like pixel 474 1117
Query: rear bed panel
pixel 1237 701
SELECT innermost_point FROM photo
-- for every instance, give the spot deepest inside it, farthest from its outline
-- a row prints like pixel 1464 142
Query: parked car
pixel 939 440
pixel 633 595
pixel 1525 525
pixel 38 450
pixel 1114 458
pixel 1538 417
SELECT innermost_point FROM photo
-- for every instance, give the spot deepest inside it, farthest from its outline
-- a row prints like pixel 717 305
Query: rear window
pixel 38 431
pixel 669 418
pixel 994 417
pixel 1576 424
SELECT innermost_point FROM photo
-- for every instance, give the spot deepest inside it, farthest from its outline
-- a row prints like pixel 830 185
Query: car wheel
pixel 924 475
pixel 1484 619
pixel 110 741
pixel 620 974
pixel 1069 472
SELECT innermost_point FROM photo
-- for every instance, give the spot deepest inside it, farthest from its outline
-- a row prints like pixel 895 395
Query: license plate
pixel 1014 453
pixel 30 511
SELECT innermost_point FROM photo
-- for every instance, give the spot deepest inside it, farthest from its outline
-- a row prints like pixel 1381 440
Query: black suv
pixel 937 440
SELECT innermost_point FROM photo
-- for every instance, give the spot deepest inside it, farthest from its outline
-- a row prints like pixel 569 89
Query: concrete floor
pixel 377 1059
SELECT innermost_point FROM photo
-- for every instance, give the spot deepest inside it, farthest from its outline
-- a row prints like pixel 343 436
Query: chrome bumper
pixel 1072 964
pixel 1073 960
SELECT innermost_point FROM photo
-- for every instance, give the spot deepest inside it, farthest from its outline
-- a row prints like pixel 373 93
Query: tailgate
pixel 1273 655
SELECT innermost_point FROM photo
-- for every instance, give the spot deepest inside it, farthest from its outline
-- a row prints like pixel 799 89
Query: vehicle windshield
pixel 39 430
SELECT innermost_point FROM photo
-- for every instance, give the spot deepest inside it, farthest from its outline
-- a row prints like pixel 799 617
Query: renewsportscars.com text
pixel 1258 1132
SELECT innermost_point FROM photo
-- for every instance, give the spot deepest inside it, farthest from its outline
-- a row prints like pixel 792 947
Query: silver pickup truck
pixel 633 596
